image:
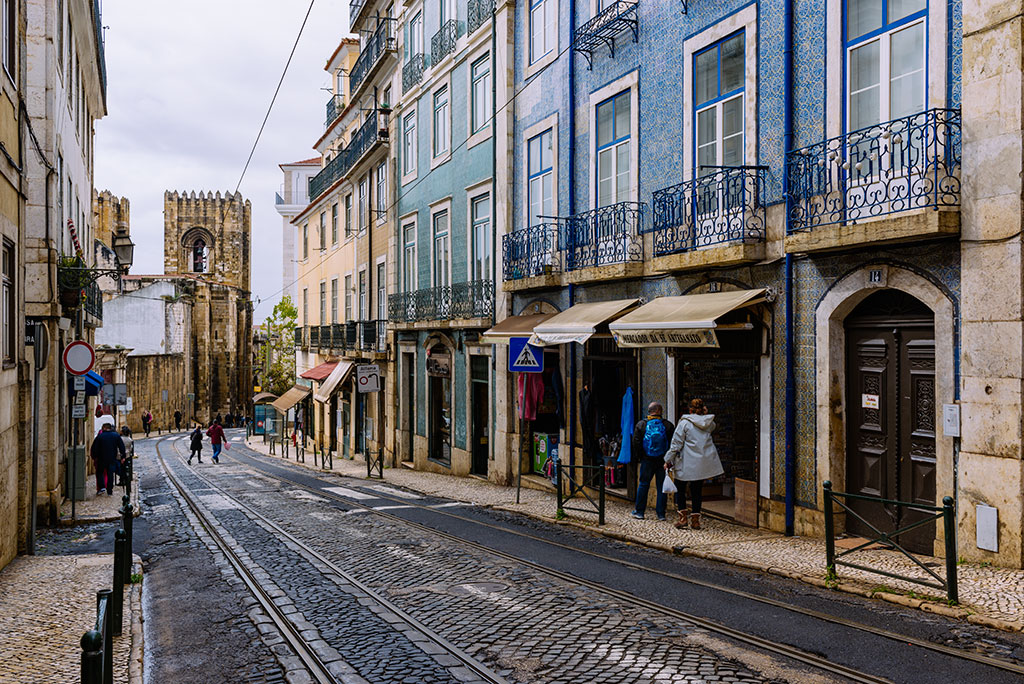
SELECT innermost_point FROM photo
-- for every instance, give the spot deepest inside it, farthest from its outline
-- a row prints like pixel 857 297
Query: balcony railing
pixel 367 335
pixel 100 43
pixel 300 340
pixel 899 165
pixel 617 17
pixel 473 299
pixel 382 336
pixel 354 8
pixel 412 72
pixel 373 130
pixel 478 13
pixel 719 207
pixel 351 335
pixel 326 341
pixel 443 42
pixel 335 105
pixel 314 336
pixel 92 302
pixel 531 252
pixel 337 336
pixel 382 40
pixel 605 236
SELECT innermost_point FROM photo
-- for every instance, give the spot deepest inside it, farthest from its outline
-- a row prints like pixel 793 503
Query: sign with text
pixel 524 357
pixel 368 377
pixel 439 365
pixel 120 393
pixel 869 401
pixel 78 383
pixel 705 338
pixel 78 411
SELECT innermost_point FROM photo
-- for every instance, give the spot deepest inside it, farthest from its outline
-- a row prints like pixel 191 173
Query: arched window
pixel 199 253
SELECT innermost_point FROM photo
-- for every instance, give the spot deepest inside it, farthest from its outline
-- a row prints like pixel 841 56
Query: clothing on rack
pixel 530 390
pixel 626 424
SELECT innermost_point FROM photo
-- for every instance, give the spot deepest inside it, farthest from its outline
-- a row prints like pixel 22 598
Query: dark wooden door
pixel 890 402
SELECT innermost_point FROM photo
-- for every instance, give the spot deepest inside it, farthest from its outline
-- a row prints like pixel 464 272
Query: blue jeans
pixel 649 468
pixel 216 452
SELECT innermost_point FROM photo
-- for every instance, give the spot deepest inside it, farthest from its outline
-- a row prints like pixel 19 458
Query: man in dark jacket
pixel 177 419
pixel 107 449
pixel 196 444
pixel 651 439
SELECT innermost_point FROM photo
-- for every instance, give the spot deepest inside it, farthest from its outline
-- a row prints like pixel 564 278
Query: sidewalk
pixel 50 599
pixel 989 596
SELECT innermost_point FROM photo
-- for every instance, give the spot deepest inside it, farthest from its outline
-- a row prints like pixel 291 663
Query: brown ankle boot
pixel 684 519
pixel 695 521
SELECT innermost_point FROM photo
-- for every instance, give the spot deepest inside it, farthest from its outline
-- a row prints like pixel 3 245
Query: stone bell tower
pixel 208 236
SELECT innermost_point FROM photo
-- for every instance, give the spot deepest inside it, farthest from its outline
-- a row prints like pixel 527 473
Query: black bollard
pixel 117 595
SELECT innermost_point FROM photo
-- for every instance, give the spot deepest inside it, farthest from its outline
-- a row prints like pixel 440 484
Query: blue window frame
pixel 718 88
pixel 540 177
pixel 614 181
pixel 543 28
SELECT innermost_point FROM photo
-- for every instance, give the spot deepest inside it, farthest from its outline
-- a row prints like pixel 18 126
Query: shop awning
pixel 686 321
pixel 263 397
pixel 578 323
pixel 333 381
pixel 290 398
pixel 320 372
pixel 515 326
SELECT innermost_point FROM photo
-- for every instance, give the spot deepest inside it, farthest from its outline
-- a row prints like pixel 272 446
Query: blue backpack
pixel 655 439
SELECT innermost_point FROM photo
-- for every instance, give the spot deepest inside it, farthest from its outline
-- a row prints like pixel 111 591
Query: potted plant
pixel 72 277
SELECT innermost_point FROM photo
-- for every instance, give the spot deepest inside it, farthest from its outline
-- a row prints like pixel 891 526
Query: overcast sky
pixel 188 85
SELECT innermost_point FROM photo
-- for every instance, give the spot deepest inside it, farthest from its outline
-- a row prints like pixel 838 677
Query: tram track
pixel 938 648
pixel 317 668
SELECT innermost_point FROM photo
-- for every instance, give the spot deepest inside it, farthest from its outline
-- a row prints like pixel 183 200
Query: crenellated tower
pixel 208 235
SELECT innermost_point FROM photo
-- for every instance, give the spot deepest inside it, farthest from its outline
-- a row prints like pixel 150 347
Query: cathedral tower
pixel 208 236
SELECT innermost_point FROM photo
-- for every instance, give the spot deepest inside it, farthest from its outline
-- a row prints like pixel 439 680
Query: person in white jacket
pixel 692 458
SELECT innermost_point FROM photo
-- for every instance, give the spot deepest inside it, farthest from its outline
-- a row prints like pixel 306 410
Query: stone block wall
pixel 148 377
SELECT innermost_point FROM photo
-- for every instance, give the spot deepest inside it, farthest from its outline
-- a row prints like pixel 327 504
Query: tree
pixel 276 357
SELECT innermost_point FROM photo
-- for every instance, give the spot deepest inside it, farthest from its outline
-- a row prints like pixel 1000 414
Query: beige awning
pixel 263 397
pixel 290 398
pixel 578 323
pixel 515 326
pixel 333 381
pixel 687 321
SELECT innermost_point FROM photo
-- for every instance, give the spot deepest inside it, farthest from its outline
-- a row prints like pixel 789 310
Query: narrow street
pixel 375 587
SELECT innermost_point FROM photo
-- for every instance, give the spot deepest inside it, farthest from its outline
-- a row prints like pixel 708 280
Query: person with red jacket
pixel 216 435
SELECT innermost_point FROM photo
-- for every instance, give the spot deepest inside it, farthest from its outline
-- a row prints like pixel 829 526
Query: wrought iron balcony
pixel 412 72
pixel 354 8
pixel 531 252
pixel 461 301
pixel 382 41
pixel 92 302
pixel 314 336
pixel 327 176
pixel 900 165
pixel 326 341
pixel 367 335
pixel 478 13
pixel 337 336
pixel 373 130
pixel 472 299
pixel 351 335
pixel 382 336
pixel 335 105
pixel 605 236
pixel 298 337
pixel 443 42
pixel 617 17
pixel 719 207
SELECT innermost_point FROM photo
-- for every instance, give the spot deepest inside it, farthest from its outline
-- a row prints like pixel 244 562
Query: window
pixel 7 323
pixel 364 188
pixel 334 223
pixel 441 121
pixel 540 174
pixel 199 256
pixel 480 94
pixel 718 82
pixel 481 216
pixel 334 300
pixel 442 277
pixel 305 241
pixel 323 230
pixel 409 144
pixel 305 306
pixel 364 304
pixel 386 100
pixel 348 215
pixel 885 59
pixel 348 298
pixel 415 37
pixel 409 256
pixel 60 35
pixel 543 28
pixel 613 177
pixel 382 293
pixel 323 302
pixel 10 34
pixel 382 192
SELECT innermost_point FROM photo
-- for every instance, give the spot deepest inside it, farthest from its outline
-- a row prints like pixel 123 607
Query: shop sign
pixel 869 401
pixel 368 377
pixel 524 357
pixel 78 411
pixel 666 338
pixel 439 365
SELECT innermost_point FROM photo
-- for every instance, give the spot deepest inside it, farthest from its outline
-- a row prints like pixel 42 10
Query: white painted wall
pixel 143 321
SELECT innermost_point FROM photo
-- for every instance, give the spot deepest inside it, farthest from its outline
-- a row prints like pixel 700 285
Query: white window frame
pixel 613 147
pixel 323 301
pixel 409 275
pixel 305 306
pixel 334 224
pixel 334 300
pixel 473 196
pixel 323 230
pixel 349 291
pixel 718 104
pixel 382 287
pixel 542 13
pixel 409 169
pixel 444 135
pixel 442 207
pixel 481 132
pixel 382 192
pixel 349 228
pixel 363 293
pixel 305 240
pixel 362 204
pixel 548 173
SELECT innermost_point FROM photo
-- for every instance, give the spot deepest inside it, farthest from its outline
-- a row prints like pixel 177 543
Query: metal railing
pixel 100 42
pixel 300 337
pixel 326 337
pixel 375 465
pixel 92 302
pixel 945 512
pixel 908 163
pixel 335 105
pixel 327 176
pixel 373 130
pixel 617 17
pixel 573 487
pixel 466 300
pixel 382 336
pixel 338 335
pixel 98 644
pixel 402 307
pixel 722 206
pixel 382 40
pixel 472 299
pixel 443 42
pixel 367 335
pixel 314 336
pixel 354 8
pixel 412 72
pixel 605 236
pixel 478 12
pixel 531 252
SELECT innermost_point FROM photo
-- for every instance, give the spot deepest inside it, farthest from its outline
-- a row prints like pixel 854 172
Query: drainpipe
pixel 494 221
pixel 787 144
pixel 574 399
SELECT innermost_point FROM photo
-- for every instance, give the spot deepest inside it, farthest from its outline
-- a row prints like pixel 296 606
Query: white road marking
pixel 394 492
pixel 391 508
pixel 450 504
pixel 350 493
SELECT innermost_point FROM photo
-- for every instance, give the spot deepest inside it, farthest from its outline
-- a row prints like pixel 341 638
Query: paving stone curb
pixel 135 663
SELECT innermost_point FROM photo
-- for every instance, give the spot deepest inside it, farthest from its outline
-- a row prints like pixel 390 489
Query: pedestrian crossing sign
pixel 524 357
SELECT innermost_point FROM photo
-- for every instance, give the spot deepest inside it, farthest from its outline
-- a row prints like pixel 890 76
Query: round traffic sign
pixel 79 357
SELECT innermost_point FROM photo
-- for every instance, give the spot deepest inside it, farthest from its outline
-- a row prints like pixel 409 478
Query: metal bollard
pixel 600 497
pixel 830 535
pixel 127 521
pixel 329 465
pixel 117 597
pixel 949 530
pixel 558 486
pixel 129 475
pixel 92 657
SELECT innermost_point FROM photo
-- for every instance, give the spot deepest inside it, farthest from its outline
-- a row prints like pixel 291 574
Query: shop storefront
pixel 288 406
pixel 262 409
pixel 439 414
pixel 327 398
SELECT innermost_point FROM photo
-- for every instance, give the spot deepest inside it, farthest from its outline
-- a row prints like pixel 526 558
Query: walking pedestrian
pixel 650 442
pixel 196 444
pixel 228 420
pixel 147 420
pixel 177 420
pixel 692 458
pixel 106 447
pixel 129 453
pixel 216 434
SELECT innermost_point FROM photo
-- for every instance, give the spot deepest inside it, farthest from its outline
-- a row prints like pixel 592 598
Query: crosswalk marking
pixel 350 493
pixel 395 492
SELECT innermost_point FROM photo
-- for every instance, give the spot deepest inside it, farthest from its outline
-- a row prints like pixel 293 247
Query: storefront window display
pixel 607 373
pixel 439 376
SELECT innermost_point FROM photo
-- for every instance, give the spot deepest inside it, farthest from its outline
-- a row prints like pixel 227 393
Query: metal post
pixel 120 542
pixel 106 627
pixel 558 486
pixel 600 497
pixel 830 537
pixel 37 367
pixel 92 657
pixel 127 519
pixel 949 524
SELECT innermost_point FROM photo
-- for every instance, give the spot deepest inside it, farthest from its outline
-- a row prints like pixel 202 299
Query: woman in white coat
pixel 691 459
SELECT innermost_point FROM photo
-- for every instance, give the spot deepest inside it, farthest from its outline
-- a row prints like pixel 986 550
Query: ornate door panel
pixel 917 432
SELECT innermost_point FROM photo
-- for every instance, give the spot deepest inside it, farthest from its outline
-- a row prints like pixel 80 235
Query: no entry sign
pixel 79 357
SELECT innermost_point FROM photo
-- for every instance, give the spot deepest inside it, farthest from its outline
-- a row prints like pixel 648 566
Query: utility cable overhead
pixel 274 98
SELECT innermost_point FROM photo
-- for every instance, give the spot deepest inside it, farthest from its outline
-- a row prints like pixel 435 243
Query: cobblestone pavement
pixel 523 623
pixel 987 594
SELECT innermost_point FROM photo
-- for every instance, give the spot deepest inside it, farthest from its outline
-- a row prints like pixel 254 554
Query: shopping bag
pixel 669 487
pixel 227 445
